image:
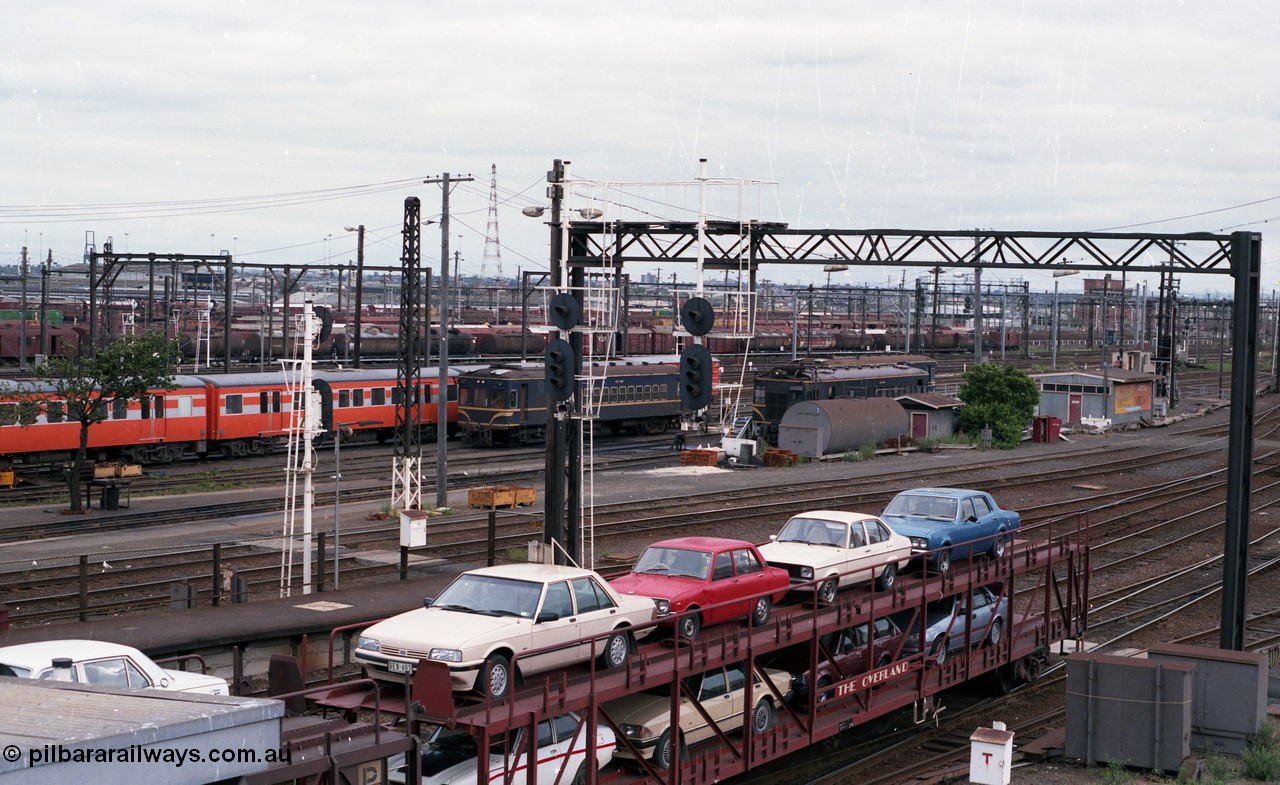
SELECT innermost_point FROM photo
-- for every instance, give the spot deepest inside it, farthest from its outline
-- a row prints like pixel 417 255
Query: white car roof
pixel 837 515
pixel 41 654
pixel 532 571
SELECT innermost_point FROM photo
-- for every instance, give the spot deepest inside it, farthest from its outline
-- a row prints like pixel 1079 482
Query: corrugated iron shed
pixel 58 732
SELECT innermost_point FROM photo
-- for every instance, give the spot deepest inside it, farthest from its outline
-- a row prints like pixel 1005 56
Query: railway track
pixel 42 593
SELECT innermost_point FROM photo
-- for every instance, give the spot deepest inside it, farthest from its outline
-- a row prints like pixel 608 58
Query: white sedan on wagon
pixel 484 622
pixel 830 549
pixel 101 663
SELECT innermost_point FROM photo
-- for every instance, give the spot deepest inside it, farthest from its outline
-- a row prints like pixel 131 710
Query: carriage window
pixel 184 405
pixel 55 411
pixel 235 404
pixel 452 392
pixel 159 407
pixel 120 408
pixel 357 397
pixel 513 399
pixel 344 398
pixel 146 407
pixel 8 413
pixel 395 396
pixel 262 402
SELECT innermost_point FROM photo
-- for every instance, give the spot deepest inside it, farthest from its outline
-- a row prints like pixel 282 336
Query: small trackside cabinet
pixel 413 528
pixel 990 755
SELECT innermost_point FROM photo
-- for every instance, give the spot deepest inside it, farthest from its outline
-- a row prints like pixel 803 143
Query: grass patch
pixel 1116 774
pixel 1262 757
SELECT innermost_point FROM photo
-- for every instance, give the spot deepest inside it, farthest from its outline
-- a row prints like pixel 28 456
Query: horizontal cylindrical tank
pixel 817 428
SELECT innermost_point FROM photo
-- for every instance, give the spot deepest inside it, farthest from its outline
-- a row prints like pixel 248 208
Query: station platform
pixel 166 632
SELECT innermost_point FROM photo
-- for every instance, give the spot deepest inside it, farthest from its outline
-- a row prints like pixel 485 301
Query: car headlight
pixel 369 644
pixel 448 655
pixel 663 606
pixel 806 573
pixel 920 543
pixel 634 731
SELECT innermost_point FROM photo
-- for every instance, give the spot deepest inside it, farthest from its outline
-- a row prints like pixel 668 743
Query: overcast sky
pixel 265 128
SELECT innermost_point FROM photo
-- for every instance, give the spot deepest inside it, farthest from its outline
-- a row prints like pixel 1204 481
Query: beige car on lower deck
pixel 645 717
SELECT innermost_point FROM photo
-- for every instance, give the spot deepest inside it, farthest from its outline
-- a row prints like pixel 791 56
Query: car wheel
pixel 942 562
pixel 663 753
pixel 887 578
pixel 496 675
pixel 616 648
pixel 996 632
pixel 762 717
pixel 827 591
pixel 939 650
pixel 690 624
pixel 760 614
pixel 581 777
pixel 998 547
pixel 824 689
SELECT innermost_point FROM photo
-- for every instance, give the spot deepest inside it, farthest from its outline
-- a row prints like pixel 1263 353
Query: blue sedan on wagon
pixel 951 523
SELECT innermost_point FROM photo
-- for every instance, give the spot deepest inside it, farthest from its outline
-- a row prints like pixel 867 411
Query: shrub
pixel 1262 757
pixel 866 451
pixel 1116 773
pixel 927 444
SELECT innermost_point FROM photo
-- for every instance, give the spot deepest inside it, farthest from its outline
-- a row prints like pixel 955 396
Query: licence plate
pixel 396 666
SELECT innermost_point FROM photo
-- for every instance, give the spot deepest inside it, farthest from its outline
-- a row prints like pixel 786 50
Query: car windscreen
pixel 680 562
pixel 814 531
pixel 490 595
pixel 941 507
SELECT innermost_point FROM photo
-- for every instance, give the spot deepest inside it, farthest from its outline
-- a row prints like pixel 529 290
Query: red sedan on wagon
pixel 695 581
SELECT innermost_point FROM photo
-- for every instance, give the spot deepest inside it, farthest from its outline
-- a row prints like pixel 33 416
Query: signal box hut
pixel 932 415
pixel 1123 397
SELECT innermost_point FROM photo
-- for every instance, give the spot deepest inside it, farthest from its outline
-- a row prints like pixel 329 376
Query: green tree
pixel 123 369
pixel 1000 396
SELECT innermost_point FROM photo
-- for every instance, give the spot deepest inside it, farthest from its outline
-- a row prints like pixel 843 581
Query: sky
pixel 264 129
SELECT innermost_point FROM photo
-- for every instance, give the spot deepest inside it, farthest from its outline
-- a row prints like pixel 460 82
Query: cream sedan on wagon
pixel 101 663
pixel 830 550
pixel 484 622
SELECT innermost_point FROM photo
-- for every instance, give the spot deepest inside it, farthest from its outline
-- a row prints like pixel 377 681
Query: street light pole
pixel 1057 274
pixel 359 230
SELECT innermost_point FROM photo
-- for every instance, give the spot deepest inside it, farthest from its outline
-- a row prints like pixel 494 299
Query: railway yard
pixel 1148 503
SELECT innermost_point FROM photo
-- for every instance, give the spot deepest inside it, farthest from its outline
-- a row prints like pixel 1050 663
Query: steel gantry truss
pixel 724 244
